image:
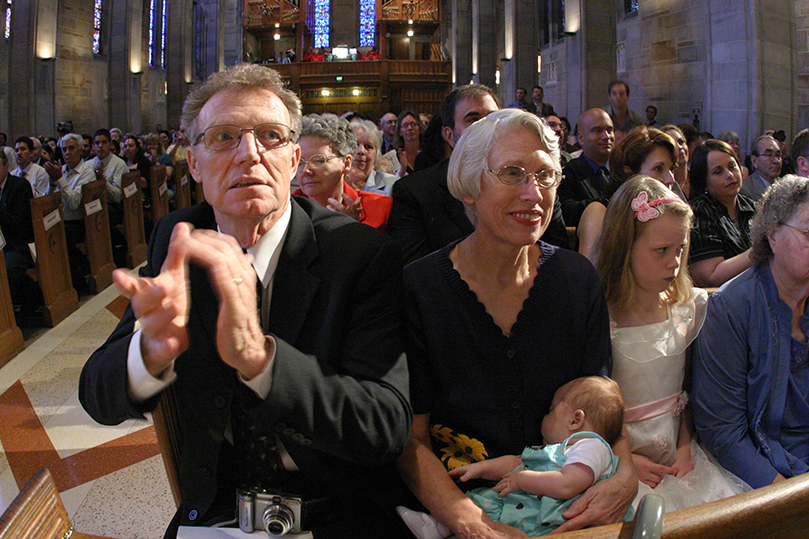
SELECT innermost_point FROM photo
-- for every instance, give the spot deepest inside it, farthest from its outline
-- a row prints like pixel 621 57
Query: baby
pixel 535 488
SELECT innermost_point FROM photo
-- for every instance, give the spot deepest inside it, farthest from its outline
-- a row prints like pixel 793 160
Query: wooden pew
pixel 158 192
pixel 182 197
pixel 776 511
pixel 133 219
pixel 52 269
pixel 11 340
pixel 98 245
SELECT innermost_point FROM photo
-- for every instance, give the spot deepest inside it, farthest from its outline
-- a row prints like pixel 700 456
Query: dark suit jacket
pixel 15 215
pixel 338 399
pixel 426 217
pixel 579 187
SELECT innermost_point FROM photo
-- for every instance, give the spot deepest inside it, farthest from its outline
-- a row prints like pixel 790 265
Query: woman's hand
pixel 347 206
pixel 682 462
pixel 649 472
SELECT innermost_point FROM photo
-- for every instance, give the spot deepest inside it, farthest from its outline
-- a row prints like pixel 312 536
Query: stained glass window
pixel 322 21
pixel 631 6
pixel 367 22
pixel 97 26
pixel 7 31
pixel 152 18
pixel 163 36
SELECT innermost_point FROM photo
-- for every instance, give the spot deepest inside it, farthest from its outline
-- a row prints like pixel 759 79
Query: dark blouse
pixel 490 391
pixel 715 234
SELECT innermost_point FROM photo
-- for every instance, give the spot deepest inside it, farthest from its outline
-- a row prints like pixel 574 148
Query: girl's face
pixel 658 165
pixel 724 176
pixel 130 148
pixel 682 147
pixel 656 256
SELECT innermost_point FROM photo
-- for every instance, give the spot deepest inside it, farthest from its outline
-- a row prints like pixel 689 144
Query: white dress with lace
pixel 649 366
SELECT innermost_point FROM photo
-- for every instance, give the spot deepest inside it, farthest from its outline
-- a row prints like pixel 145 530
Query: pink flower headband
pixel 645 210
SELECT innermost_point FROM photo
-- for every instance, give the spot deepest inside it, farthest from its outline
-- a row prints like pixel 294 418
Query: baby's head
pixel 592 403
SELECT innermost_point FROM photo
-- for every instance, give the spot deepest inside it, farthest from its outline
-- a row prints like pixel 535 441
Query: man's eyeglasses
pixel 769 154
pixel 805 232
pixel 316 161
pixel 516 175
pixel 227 137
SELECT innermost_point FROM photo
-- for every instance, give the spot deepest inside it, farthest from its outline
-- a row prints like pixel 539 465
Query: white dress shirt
pixel 37 177
pixel 70 185
pixel 114 169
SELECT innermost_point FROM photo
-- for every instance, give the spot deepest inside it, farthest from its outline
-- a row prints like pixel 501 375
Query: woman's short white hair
pixel 470 158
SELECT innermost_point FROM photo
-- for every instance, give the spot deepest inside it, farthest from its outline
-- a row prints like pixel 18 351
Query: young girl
pixel 655 316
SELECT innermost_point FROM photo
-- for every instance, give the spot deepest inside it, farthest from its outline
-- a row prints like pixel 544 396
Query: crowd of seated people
pixel 64 164
pixel 481 288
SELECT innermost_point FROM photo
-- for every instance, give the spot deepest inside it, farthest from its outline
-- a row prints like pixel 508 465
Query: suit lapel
pixel 294 285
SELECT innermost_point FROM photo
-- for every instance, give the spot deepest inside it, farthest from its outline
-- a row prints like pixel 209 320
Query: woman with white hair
pixel 327 147
pixel 496 323
pixel 363 174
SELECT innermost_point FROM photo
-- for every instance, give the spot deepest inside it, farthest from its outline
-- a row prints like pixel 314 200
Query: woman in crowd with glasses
pixel 496 323
pixel 327 146
pixel 408 140
pixel 751 366
pixel 720 239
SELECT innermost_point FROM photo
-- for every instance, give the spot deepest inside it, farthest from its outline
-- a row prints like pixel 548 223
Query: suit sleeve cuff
pixel 262 382
pixel 142 385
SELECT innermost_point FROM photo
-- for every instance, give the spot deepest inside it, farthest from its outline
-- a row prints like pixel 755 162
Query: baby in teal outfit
pixel 535 488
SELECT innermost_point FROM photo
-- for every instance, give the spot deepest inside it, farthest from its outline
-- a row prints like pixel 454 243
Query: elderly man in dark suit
pixel 18 231
pixel 299 387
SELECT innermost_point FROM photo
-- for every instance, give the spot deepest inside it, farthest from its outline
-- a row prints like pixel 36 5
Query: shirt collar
pixel 267 250
pixel 595 166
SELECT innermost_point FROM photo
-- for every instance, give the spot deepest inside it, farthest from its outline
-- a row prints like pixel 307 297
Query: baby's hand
pixel 510 482
pixel 467 471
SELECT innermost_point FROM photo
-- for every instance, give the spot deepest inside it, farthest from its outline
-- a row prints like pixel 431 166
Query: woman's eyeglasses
pixel 516 175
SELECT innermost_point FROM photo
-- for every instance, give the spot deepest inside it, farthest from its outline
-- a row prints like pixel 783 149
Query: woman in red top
pixel 327 146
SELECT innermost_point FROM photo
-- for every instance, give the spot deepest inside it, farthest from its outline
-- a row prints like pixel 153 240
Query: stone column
pixel 32 68
pixel 484 41
pixel 460 41
pixel 179 65
pixel 126 64
pixel 597 53
pixel 233 30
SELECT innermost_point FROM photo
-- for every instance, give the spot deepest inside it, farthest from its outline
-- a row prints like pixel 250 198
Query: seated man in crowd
pixel 586 175
pixel 29 170
pixel 300 386
pixel 18 232
pixel 767 159
pixel 425 216
pixel 68 180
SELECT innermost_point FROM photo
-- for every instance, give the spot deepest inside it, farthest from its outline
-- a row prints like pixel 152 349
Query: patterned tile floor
pixel 111 479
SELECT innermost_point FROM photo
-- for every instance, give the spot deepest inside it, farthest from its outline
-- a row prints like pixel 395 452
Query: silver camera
pixel 277 514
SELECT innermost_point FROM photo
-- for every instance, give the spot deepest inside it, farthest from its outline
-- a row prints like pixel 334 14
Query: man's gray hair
pixel 71 136
pixel 754 148
pixel 372 132
pixel 335 130
pixel 779 203
pixel 239 78
pixel 37 142
pixel 470 158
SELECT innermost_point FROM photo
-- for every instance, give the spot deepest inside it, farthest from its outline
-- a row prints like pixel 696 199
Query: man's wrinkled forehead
pixel 229 107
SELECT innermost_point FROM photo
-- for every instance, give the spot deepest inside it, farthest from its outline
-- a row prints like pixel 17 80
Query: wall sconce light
pixel 325 93
pixel 277 37
pixel 355 92
pixel 410 33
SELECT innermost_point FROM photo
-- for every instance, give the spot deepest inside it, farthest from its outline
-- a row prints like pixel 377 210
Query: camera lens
pixel 278 519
